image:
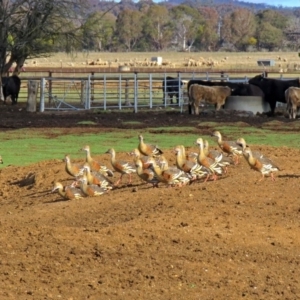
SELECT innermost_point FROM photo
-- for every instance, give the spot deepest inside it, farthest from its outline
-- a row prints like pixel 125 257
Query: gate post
pixel 150 91
pixel 33 87
pixel 135 93
pixel 42 95
pixel 88 93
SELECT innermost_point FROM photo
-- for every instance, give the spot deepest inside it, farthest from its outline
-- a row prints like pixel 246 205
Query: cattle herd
pixel 216 92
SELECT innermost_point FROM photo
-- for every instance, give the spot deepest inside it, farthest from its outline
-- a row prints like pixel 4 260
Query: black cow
pixel 246 89
pixel 232 85
pixel 171 87
pixel 273 89
pixel 11 87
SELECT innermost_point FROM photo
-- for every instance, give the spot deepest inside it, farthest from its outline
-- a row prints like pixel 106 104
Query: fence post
pixel 150 91
pixel 179 90
pixel 127 90
pixel 92 92
pixel 33 87
pixel 135 93
pixel 88 93
pixel 42 95
pixel 104 92
pixel 166 95
pixel 120 92
pixel 50 87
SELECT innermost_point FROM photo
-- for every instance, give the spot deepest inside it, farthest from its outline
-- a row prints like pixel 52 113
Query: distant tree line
pixel 37 28
pixel 190 26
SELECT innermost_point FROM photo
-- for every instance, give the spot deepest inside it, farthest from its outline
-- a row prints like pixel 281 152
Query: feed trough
pixel 255 104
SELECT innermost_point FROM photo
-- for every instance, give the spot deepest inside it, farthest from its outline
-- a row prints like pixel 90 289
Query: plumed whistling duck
pixel 69 192
pixel 147 149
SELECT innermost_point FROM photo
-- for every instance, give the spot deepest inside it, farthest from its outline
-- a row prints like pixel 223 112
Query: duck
pixel 229 147
pixel 172 176
pixel 263 164
pixel 145 159
pixel 95 165
pixel 188 166
pixel 120 166
pixel 1 160
pixel 212 165
pixel 242 142
pixel 147 174
pixel 73 170
pixel 224 161
pixel 97 178
pixel 90 190
pixel 68 192
pixel 147 149
pixel 162 162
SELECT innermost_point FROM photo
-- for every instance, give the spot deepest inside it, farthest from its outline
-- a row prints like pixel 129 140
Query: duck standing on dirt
pixel 211 165
pixel 263 164
pixel 121 166
pixel 188 166
pixel 229 147
pixel 172 176
pixel 72 169
pixel 90 190
pixel 146 174
pixel 69 192
pixel 95 165
pixel 242 142
pixel 147 149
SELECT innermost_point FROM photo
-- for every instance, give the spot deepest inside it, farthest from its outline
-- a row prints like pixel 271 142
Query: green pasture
pixel 24 147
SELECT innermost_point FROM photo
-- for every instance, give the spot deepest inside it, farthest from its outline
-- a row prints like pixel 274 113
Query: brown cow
pixel 292 98
pixel 212 94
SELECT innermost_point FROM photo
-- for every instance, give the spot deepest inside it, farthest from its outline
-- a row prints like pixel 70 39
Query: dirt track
pixel 234 238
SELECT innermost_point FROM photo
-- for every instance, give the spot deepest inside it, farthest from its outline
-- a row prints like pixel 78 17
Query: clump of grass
pixel 132 123
pixel 86 123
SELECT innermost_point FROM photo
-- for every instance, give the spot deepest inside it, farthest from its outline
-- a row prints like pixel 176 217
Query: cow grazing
pixel 292 97
pixel 273 89
pixel 11 87
pixel 212 94
pixel 171 87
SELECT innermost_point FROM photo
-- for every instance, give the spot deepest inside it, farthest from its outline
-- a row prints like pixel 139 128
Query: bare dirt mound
pixel 229 239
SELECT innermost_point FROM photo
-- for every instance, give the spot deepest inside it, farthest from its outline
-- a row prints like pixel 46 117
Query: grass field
pixel 284 61
pixel 51 144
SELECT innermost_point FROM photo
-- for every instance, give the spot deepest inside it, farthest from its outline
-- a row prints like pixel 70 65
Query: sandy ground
pixel 233 238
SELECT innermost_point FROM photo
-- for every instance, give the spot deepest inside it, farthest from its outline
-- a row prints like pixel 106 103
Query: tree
pixel 269 37
pixel 157 27
pixel 29 28
pixel 207 37
pixel 270 29
pixel 186 22
pixel 129 28
pixel 239 27
pixel 273 17
pixel 98 31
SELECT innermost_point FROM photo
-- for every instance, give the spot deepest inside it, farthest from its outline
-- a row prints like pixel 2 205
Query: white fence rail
pixel 119 91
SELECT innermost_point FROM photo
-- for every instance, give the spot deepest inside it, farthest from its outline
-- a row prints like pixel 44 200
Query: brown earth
pixel 234 238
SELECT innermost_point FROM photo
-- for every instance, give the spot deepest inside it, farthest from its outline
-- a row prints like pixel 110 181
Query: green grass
pixel 86 123
pixel 132 123
pixel 23 147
